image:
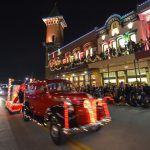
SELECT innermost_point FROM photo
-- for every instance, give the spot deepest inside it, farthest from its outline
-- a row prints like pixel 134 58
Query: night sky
pixel 22 30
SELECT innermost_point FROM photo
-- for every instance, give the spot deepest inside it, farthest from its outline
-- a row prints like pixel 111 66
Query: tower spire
pixel 54 11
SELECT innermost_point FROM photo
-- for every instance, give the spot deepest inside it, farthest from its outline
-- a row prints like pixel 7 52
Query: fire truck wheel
pixel 24 114
pixel 96 129
pixel 56 133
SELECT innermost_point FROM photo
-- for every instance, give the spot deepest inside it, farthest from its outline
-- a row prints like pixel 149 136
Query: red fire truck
pixel 57 104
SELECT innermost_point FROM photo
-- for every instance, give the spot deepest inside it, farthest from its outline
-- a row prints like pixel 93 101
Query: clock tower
pixel 55 25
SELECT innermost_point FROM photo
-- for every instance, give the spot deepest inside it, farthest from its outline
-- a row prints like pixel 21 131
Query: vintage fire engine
pixel 65 111
pixel 15 96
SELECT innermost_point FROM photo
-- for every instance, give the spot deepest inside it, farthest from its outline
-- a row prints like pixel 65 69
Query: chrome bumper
pixel 86 128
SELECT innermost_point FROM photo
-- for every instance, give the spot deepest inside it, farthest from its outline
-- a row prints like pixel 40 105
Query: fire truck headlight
pixel 99 99
pixel 70 107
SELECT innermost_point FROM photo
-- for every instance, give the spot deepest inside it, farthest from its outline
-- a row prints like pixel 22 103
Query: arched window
pixel 88 50
pixel 113 44
pixel 91 51
pixel 133 37
pixel 121 42
pixel 53 38
pixel 67 57
pixel 86 53
pixel 104 47
pixel 76 52
pixel 76 55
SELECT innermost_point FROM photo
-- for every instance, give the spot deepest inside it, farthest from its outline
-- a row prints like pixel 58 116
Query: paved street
pixel 129 130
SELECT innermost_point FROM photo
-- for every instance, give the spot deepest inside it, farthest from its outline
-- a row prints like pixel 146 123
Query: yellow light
pixel 115 31
pixel 126 67
pixel 130 25
pixel 148 18
pixel 92 115
pixel 103 37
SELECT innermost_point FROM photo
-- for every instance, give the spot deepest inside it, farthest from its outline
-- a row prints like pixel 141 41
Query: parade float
pixel 14 101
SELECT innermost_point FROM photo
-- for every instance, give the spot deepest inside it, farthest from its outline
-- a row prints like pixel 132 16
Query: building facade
pixel 117 52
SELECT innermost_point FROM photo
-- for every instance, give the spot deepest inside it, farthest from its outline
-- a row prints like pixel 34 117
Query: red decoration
pixel 13 107
pixel 66 121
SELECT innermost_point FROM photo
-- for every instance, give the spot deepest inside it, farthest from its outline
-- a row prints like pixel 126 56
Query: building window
pixel 133 37
pixel 112 74
pixel 71 58
pixel 121 73
pixel 142 71
pixel 121 42
pixel 87 53
pixel 76 78
pixel 113 44
pixel 131 72
pixel 71 79
pixel 53 38
pixel 105 75
pixel 81 78
pixel 105 47
pixel 76 55
pixel 86 78
pixel 93 77
pixel 91 51
pixel 115 31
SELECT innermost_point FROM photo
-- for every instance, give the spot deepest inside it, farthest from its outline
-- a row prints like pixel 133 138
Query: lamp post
pixel 108 74
pixel 135 71
pixel 139 71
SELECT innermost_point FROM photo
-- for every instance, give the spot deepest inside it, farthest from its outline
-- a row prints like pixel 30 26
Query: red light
pixel 66 117
pixel 91 111
pixel 106 110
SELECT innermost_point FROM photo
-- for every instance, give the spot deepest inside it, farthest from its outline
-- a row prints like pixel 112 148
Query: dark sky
pixel 22 30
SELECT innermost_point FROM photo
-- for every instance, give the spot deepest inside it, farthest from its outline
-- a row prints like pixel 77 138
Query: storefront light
pixel 148 18
pixel 85 72
pixel 130 25
pixel 59 52
pixel 103 37
pixel 26 78
pixel 91 51
pixel 31 80
pixel 64 75
pixel 115 31
pixel 73 74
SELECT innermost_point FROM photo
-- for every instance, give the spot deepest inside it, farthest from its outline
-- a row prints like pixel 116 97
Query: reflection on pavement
pixel 2 99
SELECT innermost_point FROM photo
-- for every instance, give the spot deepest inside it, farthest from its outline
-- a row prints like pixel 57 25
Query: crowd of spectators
pixel 124 93
pixel 129 48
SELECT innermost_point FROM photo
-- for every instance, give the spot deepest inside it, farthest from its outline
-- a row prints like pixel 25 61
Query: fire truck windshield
pixel 61 86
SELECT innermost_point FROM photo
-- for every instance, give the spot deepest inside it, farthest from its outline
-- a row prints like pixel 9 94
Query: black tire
pixel 96 129
pixel 56 133
pixel 25 113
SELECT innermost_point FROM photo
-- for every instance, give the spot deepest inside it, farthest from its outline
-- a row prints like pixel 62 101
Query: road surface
pixel 129 130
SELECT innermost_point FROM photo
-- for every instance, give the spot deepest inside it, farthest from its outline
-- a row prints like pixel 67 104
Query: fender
pixel 55 113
